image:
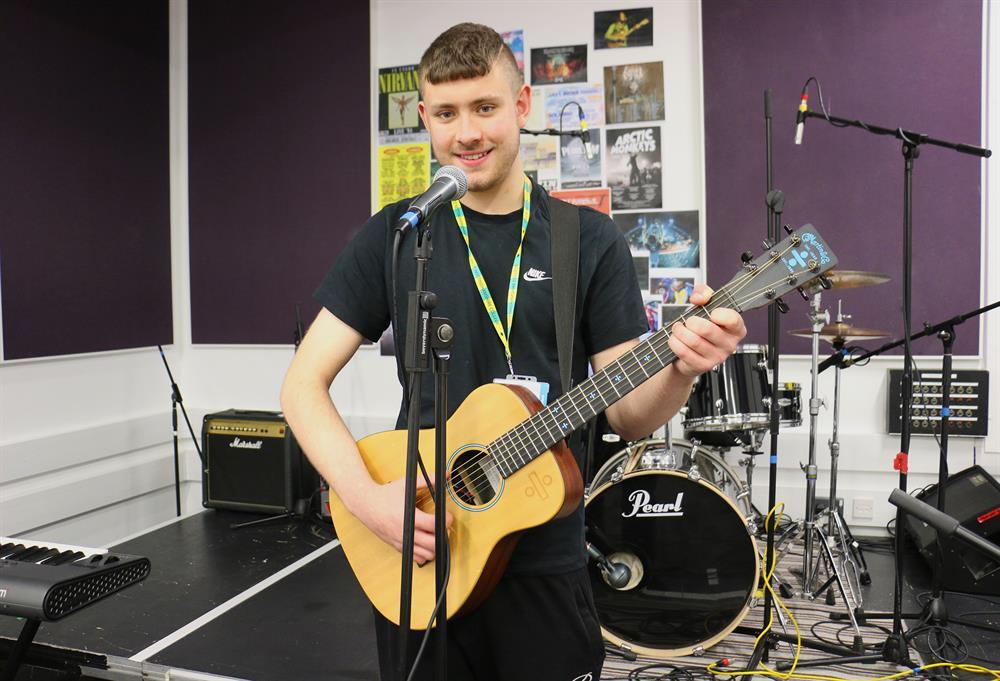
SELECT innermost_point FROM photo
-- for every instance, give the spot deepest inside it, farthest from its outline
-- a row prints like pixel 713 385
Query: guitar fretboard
pixel 533 436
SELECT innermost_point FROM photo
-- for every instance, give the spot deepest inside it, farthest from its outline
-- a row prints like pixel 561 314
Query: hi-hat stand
pixel 813 533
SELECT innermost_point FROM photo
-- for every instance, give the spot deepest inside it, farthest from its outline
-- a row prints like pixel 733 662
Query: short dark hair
pixel 467 51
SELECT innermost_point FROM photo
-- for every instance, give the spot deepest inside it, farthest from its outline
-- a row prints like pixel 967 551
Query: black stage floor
pixel 278 601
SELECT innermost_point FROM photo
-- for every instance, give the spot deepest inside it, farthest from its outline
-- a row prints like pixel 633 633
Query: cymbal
pixel 855 278
pixel 841 331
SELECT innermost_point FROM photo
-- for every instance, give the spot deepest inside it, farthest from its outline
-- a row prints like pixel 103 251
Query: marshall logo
pixel 243 444
pixel 641 508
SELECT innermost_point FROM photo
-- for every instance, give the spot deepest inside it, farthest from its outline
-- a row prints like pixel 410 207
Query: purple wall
pixel 84 176
pixel 915 65
pixel 279 158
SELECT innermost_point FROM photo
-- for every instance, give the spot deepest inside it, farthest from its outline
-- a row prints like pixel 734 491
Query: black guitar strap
pixel 565 271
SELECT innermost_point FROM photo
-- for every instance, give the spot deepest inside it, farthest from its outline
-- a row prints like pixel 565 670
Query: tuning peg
pixel 825 282
pixel 788 230
pixel 746 256
pixel 766 244
pixel 802 292
pixel 781 305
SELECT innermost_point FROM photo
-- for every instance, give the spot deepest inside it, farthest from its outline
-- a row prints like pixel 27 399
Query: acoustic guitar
pixel 509 468
pixel 619 38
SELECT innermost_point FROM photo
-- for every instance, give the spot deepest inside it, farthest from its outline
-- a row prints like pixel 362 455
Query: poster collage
pixel 624 106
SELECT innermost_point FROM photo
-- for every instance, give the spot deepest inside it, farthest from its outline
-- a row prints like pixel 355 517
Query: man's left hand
pixel 701 344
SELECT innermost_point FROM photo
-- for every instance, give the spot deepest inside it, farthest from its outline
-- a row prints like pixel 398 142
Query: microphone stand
pixel 934 611
pixel 775 200
pixel 775 206
pixel 175 401
pixel 425 335
pixel 895 648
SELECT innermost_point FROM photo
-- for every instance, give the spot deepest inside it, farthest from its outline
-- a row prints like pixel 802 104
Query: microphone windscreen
pixel 456 174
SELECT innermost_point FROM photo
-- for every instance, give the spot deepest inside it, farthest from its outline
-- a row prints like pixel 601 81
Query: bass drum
pixel 678 520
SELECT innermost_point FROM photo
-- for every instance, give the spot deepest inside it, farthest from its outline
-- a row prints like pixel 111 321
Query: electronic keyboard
pixel 47 581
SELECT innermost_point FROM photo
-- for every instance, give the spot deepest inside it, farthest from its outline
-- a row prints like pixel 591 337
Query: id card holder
pixel 539 389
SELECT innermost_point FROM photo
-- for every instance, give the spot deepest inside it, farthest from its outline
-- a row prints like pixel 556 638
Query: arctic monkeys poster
pixel 634 167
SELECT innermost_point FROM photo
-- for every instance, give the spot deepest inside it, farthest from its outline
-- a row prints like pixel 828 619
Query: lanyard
pixel 515 272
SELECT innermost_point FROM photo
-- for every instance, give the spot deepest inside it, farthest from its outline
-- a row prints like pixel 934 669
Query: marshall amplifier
pixel 253 463
pixel 972 497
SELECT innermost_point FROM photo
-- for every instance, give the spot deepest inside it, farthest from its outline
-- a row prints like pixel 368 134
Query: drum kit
pixel 671 523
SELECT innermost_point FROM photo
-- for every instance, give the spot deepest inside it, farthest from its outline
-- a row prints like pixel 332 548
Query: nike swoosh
pixel 531 276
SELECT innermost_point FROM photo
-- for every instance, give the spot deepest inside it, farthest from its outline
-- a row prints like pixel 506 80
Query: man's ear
pixel 523 105
pixel 423 113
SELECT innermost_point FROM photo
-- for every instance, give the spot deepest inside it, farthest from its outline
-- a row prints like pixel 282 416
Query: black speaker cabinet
pixel 972 497
pixel 253 463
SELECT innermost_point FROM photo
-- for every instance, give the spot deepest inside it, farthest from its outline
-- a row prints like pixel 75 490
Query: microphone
pixel 617 574
pixel 449 184
pixel 586 134
pixel 800 119
pixel 943 523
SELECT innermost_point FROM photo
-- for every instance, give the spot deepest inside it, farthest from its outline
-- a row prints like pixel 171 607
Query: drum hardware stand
pixel 837 526
pixel 895 648
pixel 819 320
pixel 837 529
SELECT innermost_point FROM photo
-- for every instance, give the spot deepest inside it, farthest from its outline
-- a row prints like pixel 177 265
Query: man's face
pixel 475 124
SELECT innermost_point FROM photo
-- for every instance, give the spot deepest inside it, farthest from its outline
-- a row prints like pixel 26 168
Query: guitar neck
pixel 797 260
pixel 533 436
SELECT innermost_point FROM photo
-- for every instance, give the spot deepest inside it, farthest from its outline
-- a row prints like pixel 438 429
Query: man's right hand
pixel 382 513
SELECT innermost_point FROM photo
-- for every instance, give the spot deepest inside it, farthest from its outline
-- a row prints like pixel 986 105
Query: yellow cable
pixel 779 508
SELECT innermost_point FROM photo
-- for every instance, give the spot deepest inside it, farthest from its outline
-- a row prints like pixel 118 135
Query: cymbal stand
pixel 819 320
pixel 811 529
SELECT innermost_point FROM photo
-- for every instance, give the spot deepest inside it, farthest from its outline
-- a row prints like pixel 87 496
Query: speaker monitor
pixel 253 463
pixel 972 497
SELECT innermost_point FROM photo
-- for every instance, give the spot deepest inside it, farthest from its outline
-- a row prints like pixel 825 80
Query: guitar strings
pixel 630 366
pixel 477 477
pixel 477 459
pixel 506 441
pixel 569 399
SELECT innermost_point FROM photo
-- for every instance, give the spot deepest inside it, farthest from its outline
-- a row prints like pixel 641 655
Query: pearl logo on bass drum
pixel 641 508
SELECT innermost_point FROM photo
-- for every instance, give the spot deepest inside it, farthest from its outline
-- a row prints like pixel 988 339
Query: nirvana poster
pixel 398 94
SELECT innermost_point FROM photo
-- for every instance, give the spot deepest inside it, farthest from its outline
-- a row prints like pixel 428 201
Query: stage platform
pixel 272 602
pixel 278 601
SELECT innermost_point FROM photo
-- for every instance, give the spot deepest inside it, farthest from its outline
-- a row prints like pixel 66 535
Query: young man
pixel 540 622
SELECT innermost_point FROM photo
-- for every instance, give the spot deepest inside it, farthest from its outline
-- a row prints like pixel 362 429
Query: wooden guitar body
pixel 484 530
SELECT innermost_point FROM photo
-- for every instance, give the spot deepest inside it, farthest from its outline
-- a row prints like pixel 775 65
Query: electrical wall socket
pixel 863 509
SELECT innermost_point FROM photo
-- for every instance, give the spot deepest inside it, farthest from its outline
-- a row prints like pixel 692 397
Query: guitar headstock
pixel 798 260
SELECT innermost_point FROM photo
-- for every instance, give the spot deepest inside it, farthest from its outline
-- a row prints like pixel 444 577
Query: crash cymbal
pixel 855 278
pixel 841 331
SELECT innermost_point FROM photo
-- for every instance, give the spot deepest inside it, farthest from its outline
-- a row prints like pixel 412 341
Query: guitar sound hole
pixel 474 478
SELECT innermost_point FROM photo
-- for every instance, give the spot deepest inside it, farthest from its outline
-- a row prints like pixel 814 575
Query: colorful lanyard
pixel 515 272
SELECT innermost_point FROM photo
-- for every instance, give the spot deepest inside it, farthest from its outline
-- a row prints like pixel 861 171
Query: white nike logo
pixel 535 275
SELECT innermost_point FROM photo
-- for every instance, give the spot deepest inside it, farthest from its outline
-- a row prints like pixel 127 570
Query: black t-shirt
pixel 609 312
